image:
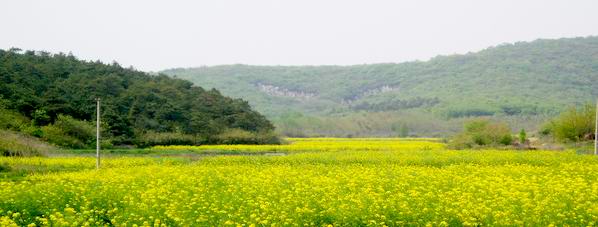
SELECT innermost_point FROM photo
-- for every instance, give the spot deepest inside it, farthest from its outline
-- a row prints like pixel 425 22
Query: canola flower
pixel 385 187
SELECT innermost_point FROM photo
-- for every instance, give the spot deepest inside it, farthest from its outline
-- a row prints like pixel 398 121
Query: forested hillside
pixel 522 82
pixel 52 96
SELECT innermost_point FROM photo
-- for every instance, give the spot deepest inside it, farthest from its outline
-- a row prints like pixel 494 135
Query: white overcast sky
pixel 155 35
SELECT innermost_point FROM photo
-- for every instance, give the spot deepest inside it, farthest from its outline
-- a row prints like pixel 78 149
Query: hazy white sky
pixel 155 35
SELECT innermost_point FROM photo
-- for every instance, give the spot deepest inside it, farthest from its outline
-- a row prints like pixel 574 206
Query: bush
pixel 70 132
pixel 522 136
pixel 57 136
pixel 482 133
pixel 12 120
pixel 4 167
pixel 84 131
pixel 16 144
pixel 151 138
pixel 461 141
pixel 239 136
pixel 573 125
pixel 40 117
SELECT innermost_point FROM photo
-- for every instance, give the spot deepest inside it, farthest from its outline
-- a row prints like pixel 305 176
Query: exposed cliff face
pixel 371 92
pixel 303 95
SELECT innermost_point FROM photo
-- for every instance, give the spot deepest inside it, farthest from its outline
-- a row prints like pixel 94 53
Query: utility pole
pixel 98 133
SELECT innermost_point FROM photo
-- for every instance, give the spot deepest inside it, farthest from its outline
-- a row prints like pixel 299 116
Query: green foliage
pixel 520 80
pixel 4 167
pixel 401 129
pixel 83 131
pixel 522 136
pixel 70 132
pixel 391 105
pixel 40 117
pixel 17 144
pixel 574 125
pixel 482 132
pixel 12 120
pixel 43 87
pixel 239 136
pixel 468 112
pixel 151 138
pixel 57 136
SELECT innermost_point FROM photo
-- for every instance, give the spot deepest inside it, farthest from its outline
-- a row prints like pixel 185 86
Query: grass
pixel 18 168
pixel 17 144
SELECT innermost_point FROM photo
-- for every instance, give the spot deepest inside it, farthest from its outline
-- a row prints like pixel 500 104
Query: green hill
pixel 522 83
pixel 52 96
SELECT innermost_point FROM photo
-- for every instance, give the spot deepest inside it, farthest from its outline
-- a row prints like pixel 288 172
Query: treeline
pixel 53 96
pixel 518 109
pixel 396 104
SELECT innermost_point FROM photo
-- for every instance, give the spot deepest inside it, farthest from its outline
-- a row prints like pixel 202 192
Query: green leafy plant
pixel 522 136
pixel 574 125
pixel 482 132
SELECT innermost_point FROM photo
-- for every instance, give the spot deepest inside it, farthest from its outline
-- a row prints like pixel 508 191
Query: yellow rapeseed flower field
pixel 322 144
pixel 320 182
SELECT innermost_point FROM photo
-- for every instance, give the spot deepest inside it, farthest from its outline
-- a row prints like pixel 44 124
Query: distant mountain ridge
pixel 535 78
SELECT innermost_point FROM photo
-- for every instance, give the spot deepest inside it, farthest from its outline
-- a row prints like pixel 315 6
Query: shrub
pixel 32 130
pixel 17 144
pixel 572 125
pixel 12 120
pixel 84 131
pixel 40 117
pixel 70 132
pixel 522 136
pixel 482 133
pixel 151 138
pixel 57 136
pixel 239 136
pixel 4 167
pixel 400 129
pixel 461 141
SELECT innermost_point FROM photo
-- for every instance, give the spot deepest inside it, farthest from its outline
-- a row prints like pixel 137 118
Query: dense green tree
pixel 44 86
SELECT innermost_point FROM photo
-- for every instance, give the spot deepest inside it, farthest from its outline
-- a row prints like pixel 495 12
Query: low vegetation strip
pixel 317 145
pixel 15 168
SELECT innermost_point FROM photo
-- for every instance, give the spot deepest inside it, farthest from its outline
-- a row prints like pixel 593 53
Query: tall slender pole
pixel 596 132
pixel 98 134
